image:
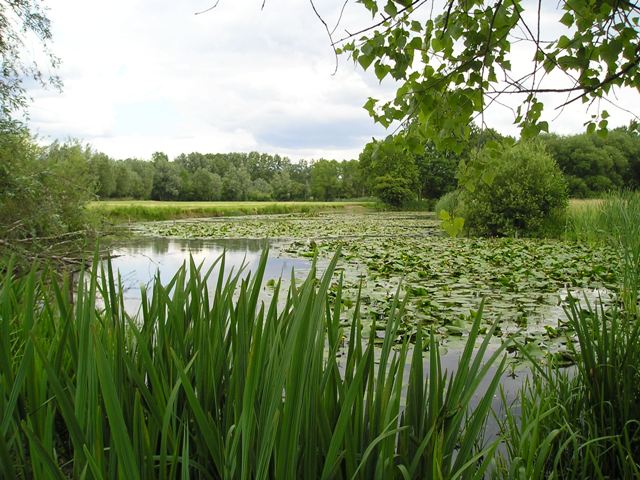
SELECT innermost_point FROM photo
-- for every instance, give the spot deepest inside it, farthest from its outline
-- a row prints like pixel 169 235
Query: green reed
pixel 218 384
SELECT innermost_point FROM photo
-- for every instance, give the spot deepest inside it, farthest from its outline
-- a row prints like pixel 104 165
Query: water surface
pixel 139 260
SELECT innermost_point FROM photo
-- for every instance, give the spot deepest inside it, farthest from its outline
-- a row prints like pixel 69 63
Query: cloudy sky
pixel 143 76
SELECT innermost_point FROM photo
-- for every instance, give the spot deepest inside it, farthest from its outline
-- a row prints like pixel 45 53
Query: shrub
pixel 521 191
pixel 393 191
pixel 42 190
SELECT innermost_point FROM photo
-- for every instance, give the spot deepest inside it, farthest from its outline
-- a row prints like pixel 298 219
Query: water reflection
pixel 140 260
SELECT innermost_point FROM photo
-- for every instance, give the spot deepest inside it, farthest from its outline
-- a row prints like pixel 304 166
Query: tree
pixel 42 189
pixel 453 64
pixel 352 177
pixel 103 170
pixel 260 190
pixel 393 191
pixel 166 178
pixel 324 179
pixel 282 186
pixel 20 21
pixel 437 171
pixel 389 158
pixel 142 178
pixel 205 185
pixel 124 179
pixel 595 164
pixel 236 184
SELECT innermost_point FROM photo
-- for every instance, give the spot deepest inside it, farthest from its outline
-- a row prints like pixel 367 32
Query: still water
pixel 140 260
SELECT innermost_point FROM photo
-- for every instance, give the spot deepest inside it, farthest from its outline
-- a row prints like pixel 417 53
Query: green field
pixel 124 211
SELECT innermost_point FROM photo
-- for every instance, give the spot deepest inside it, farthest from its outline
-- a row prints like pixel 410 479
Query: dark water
pixel 140 260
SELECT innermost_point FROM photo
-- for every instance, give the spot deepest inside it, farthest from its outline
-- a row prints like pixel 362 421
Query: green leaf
pixel 391 9
pixel 563 42
pixel 365 61
pixel 567 19
pixel 381 70
pixel 120 435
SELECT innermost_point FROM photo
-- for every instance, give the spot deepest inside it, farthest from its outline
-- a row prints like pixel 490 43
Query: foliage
pixel 451 63
pixel 595 164
pixel 389 158
pixel 236 184
pixel 582 425
pixel 438 168
pixel 587 423
pixel 453 225
pixel 614 221
pixel 166 178
pixel 523 193
pixel 229 176
pixel 221 386
pixel 260 190
pixel 443 278
pixel 393 191
pixel 22 21
pixel 42 190
pixel 437 172
pixel 450 203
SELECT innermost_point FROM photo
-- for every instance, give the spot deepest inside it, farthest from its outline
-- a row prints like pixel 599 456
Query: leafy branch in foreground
pixel 452 65
pixel 215 384
pixel 21 21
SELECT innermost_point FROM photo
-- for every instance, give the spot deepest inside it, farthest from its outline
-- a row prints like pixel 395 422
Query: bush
pixel 393 191
pixel 522 191
pixel 42 190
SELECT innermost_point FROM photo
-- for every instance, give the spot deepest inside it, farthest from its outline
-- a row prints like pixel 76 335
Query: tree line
pixel 225 176
pixel 400 168
pixel 394 169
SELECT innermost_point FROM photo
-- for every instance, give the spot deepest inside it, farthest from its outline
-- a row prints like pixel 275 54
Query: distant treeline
pixel 592 164
pixel 226 176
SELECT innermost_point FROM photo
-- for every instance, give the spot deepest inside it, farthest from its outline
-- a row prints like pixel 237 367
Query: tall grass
pixel 614 221
pixel 583 423
pixel 124 211
pixel 219 385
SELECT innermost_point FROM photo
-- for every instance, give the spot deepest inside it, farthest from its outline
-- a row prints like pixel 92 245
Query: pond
pixel 523 281
pixel 140 260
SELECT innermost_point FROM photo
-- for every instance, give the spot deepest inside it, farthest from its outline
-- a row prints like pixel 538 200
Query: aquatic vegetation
pixel 309 227
pixel 583 423
pixel 523 280
pixel 613 221
pixel 215 384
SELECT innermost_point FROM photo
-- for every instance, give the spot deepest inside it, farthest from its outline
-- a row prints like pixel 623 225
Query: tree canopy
pixel 452 63
pixel 21 21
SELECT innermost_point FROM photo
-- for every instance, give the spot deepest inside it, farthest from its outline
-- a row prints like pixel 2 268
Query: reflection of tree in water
pixel 159 246
pixel 241 245
pixel 162 246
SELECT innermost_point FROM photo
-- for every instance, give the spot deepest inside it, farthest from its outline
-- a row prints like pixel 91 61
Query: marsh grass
pixel 215 384
pixel 124 211
pixel 583 422
pixel 615 220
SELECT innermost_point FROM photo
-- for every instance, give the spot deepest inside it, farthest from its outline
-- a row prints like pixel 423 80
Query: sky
pixel 145 76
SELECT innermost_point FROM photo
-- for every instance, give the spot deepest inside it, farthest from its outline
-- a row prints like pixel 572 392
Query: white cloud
pixel 143 76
